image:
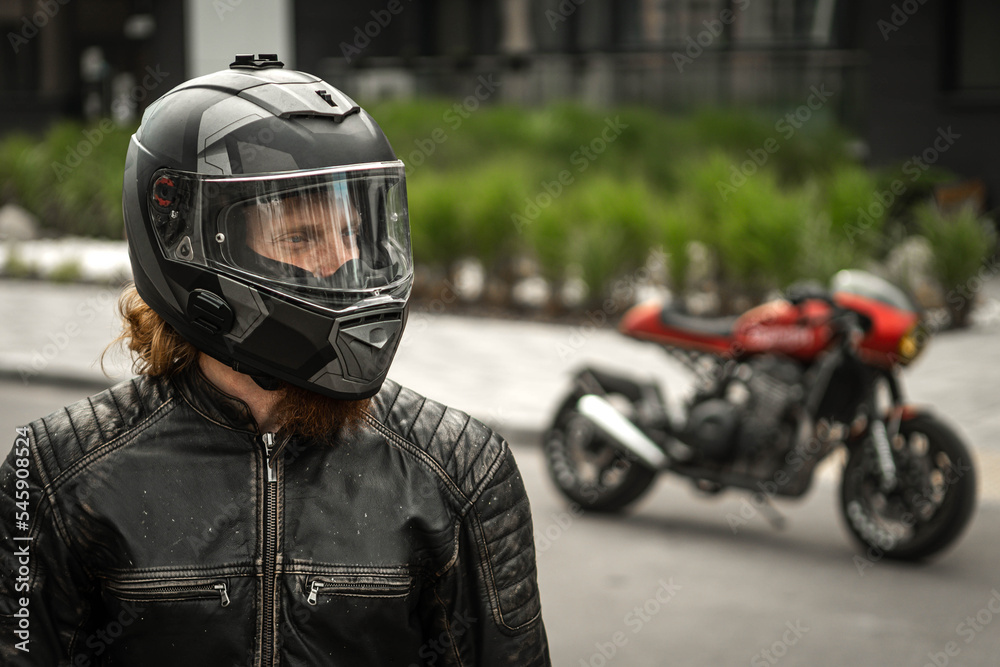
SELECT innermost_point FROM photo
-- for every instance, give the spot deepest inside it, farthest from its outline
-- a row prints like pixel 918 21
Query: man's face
pixel 314 233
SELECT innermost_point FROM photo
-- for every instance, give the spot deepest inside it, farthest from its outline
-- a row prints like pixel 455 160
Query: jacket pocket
pixel 170 589
pixel 358 585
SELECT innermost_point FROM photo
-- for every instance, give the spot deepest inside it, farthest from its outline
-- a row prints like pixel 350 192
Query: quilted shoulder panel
pixel 67 435
pixel 465 448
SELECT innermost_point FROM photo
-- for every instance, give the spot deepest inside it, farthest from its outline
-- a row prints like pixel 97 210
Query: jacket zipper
pixel 191 591
pixel 314 591
pixel 373 585
pixel 270 549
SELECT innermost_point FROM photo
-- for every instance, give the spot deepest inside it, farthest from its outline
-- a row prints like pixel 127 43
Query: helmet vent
pixel 262 61
pixel 325 95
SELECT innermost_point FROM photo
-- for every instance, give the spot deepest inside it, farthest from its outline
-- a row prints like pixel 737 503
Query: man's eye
pixel 293 239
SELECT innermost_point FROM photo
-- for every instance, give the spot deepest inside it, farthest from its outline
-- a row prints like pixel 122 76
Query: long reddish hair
pixel 156 348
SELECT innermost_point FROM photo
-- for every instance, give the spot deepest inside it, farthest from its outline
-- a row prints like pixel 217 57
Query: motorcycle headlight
pixel 912 343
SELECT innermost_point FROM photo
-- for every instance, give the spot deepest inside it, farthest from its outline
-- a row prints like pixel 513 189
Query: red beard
pixel 313 415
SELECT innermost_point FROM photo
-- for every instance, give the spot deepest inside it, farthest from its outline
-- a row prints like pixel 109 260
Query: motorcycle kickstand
pixel 772 514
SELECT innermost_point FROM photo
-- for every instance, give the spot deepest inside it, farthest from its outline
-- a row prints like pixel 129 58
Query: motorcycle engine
pixel 774 387
pixel 750 422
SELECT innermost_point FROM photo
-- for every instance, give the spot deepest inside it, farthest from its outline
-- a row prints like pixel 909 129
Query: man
pixel 261 494
pixel 294 230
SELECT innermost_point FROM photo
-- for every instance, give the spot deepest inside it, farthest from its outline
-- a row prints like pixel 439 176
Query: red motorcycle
pixel 778 389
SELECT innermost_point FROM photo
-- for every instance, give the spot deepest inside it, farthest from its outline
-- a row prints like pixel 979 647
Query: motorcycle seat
pixel 708 326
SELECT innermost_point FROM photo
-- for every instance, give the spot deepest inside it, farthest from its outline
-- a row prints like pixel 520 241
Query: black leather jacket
pixel 159 535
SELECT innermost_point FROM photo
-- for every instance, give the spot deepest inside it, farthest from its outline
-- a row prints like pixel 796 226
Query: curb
pixel 519 435
pixel 85 381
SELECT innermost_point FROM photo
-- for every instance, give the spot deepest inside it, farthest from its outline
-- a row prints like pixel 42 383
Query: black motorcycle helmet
pixel 267 223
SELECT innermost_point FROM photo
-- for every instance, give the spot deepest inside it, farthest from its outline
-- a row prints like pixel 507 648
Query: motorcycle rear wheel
pixel 586 467
pixel 933 500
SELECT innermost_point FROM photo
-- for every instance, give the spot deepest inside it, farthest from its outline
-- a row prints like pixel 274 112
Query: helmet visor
pixel 328 231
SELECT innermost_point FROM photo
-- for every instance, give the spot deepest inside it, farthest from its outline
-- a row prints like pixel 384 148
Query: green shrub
pixel 677 222
pixel 68 271
pixel 16 266
pixel 553 238
pixel 71 179
pixel 765 235
pixel 853 211
pixel 488 197
pixel 760 236
pixel 733 225
pixel 917 186
pixel 825 250
pixel 962 243
pixel 454 215
pixel 613 222
pixel 794 154
pixel 435 226
pixel 731 131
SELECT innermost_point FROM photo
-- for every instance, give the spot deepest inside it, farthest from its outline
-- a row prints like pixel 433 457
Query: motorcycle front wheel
pixel 586 467
pixel 933 499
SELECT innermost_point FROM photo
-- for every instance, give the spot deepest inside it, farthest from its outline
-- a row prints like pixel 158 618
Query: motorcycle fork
pixel 881 430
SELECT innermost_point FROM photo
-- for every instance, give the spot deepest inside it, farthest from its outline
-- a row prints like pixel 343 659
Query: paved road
pixel 736 596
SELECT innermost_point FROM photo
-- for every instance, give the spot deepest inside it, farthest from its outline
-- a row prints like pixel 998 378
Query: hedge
pixel 581 192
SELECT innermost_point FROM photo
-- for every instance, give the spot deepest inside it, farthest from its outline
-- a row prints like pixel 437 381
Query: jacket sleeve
pixel 41 584
pixel 498 577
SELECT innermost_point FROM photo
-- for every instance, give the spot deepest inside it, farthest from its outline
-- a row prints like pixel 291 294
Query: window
pixel 975 49
pixel 19 68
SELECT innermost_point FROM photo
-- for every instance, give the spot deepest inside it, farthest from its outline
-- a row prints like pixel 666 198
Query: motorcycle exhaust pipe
pixel 622 432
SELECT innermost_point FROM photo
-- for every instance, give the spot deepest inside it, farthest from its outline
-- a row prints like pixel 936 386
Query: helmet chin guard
pixel 267 222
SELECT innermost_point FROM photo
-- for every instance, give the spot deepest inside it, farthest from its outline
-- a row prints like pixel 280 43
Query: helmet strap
pixel 263 380
pixel 266 382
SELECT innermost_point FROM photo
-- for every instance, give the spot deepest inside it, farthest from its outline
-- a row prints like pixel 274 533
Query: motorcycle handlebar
pixel 808 291
pixel 843 320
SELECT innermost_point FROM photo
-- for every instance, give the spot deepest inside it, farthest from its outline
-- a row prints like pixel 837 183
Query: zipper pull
pixel 223 594
pixel 268 439
pixel 316 585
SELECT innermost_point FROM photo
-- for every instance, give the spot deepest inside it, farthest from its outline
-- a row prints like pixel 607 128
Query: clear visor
pixel 329 231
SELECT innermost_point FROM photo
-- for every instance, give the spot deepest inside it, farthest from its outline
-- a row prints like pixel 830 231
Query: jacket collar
pixel 213 403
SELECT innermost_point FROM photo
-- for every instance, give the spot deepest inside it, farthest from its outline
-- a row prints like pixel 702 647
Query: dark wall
pixel 913 95
pixel 41 81
pixel 349 31
pixel 167 47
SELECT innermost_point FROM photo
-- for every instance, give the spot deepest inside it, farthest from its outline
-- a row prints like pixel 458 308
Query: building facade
pixel 900 69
